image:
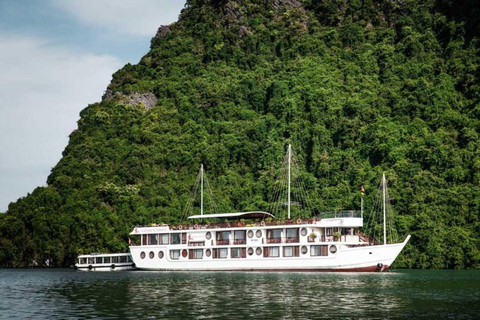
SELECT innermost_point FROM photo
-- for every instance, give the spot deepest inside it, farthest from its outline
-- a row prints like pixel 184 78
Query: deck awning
pixel 235 215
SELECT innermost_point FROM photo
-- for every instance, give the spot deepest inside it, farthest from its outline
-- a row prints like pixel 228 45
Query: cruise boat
pixel 256 241
pixel 105 262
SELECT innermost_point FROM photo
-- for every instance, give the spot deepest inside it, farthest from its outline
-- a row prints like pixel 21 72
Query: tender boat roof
pixel 235 215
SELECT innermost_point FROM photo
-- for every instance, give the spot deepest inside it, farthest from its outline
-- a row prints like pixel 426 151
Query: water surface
pixel 68 294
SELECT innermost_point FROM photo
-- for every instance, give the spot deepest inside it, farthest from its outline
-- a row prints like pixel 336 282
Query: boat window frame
pixel 323 249
pixel 161 237
pixel 295 251
pixel 242 252
pixel 172 254
pixel 172 235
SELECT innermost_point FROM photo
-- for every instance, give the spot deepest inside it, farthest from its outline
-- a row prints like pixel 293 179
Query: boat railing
pixel 283 240
pixel 342 238
pixel 340 214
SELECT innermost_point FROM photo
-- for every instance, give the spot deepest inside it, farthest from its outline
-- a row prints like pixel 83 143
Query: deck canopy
pixel 235 215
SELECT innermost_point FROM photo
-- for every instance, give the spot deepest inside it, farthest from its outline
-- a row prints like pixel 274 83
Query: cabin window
pixel 274 236
pixel 223 237
pixel 129 259
pixel 163 238
pixel 174 254
pixel 90 260
pixel 151 255
pixel 259 233
pixel 333 249
pixel 98 260
pixel 271 252
pixel 317 251
pixel 175 238
pixel 114 259
pixel 238 253
pixel 184 238
pixel 123 259
pixel 220 253
pixel 304 232
pixel 142 255
pixel 208 235
pixel 304 250
pixel 239 237
pixel 195 254
pixel 250 251
pixel 83 261
pixel 329 231
pixel 208 252
pixel 258 251
pixel 153 239
pixel 291 251
pixel 144 239
pixel 160 254
pixel 250 233
pixel 106 260
pixel 292 235
pixel 134 240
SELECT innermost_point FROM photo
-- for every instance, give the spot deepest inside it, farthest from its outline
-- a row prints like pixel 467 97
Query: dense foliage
pixel 357 87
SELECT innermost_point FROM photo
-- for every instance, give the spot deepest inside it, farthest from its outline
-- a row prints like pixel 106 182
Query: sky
pixel 56 57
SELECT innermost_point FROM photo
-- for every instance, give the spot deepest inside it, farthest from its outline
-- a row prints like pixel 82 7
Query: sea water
pixel 69 294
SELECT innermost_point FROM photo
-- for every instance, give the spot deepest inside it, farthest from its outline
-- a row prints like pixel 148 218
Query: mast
pixel 289 162
pixel 362 193
pixel 384 187
pixel 201 190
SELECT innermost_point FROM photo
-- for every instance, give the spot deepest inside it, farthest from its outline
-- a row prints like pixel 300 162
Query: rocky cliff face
pixel 357 87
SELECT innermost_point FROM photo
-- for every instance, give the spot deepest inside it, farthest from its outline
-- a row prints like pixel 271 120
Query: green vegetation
pixel 357 87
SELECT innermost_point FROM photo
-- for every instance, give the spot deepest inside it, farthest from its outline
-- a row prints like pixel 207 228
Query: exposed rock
pixel 163 31
pixel 234 12
pixel 243 31
pixel 277 4
pixel 148 99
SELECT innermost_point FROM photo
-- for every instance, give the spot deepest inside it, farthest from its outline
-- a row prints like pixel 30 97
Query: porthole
pixel 304 232
pixel 160 254
pixel 304 250
pixel 208 235
pixel 259 251
pixel 208 252
pixel 333 249
pixel 250 233
pixel 259 233
pixel 142 255
pixel 250 251
pixel 184 253
pixel 151 255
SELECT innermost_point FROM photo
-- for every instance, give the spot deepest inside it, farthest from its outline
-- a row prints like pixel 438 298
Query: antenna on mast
pixel 384 187
pixel 289 164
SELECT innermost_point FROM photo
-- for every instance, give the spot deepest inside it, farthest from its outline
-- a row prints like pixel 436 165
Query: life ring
pixel 90 267
pixel 262 223
pixel 299 221
pixel 195 226
pixel 180 227
pixel 112 266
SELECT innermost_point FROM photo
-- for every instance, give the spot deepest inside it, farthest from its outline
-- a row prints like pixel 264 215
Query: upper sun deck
pixel 256 219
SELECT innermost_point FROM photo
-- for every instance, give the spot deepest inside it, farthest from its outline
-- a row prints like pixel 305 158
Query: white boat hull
pixel 103 268
pixel 346 259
